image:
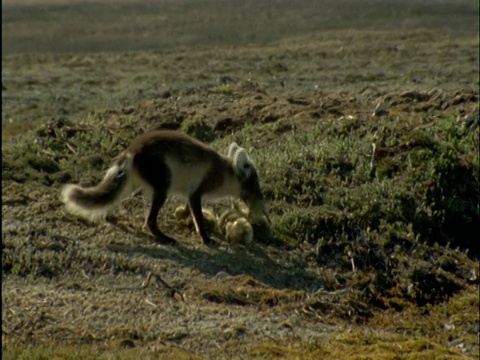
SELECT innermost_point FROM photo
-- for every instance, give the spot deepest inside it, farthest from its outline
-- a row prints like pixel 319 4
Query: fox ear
pixel 242 162
pixel 232 149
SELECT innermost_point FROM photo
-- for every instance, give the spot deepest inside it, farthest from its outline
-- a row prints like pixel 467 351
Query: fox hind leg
pixel 158 199
pixel 156 175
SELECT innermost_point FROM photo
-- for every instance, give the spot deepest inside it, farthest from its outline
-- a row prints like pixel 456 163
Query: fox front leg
pixel 195 206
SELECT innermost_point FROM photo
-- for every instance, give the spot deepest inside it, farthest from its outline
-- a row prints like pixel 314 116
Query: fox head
pixel 247 175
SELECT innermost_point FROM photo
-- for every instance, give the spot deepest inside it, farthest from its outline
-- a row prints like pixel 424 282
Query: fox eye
pixel 247 170
pixel 120 174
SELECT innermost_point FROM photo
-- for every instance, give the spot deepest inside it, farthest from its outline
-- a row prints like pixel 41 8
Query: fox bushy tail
pixel 94 201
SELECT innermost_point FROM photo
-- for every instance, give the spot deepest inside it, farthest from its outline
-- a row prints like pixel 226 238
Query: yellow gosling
pixel 227 216
pixel 210 221
pixel 181 212
pixel 239 232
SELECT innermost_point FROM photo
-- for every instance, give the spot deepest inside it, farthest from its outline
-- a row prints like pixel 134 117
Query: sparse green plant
pixel 222 89
pixel 199 129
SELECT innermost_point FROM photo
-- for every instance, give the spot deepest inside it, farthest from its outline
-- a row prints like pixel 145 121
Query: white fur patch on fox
pixel 187 177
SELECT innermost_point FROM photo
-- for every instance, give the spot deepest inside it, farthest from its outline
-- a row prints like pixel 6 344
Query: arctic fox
pixel 165 162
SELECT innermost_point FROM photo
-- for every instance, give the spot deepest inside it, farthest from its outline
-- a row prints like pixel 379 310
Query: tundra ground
pixel 365 135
